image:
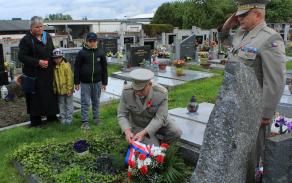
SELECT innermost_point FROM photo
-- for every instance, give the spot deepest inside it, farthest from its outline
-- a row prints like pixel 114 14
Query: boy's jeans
pixel 66 108
pixel 90 91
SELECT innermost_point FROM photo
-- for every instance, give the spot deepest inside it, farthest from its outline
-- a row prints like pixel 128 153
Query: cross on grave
pixel 102 43
pixel 121 33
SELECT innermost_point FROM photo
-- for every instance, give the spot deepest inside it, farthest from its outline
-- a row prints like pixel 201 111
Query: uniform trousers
pixel 264 133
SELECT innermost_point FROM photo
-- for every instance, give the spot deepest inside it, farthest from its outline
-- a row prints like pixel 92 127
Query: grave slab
pixel 285 105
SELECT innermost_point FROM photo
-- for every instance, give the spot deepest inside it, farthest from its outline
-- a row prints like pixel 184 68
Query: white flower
pixel 147 161
pixel 140 163
pixel 130 169
pixel 163 148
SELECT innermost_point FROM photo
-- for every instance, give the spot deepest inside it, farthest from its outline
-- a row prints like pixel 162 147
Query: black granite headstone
pixel 139 53
pixel 14 55
pixel 71 57
pixel 200 39
pixel 108 45
pixel 3 74
pixel 151 43
pixel 129 40
pixel 187 47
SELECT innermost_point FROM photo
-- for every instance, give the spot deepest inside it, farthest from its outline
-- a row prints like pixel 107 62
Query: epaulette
pixel 157 88
pixel 126 87
pixel 269 30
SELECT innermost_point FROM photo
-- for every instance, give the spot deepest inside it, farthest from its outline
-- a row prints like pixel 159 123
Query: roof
pixel 149 15
pixel 17 25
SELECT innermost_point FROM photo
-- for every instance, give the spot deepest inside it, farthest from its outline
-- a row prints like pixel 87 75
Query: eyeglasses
pixel 244 15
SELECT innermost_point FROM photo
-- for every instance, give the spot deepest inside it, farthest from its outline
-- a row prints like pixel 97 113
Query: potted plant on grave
pixel 162 66
pixel 155 66
pixel 221 54
pixel 109 56
pixel 144 63
pixel 178 64
pixel 179 72
pixel 81 148
pixel 202 55
pixel 6 64
pixel 210 57
pixel 205 65
pixel 189 59
pixel 213 44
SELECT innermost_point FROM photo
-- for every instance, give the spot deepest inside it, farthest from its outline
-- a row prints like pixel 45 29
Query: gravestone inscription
pixel 14 55
pixel 139 53
pixel 187 48
pixel 227 151
pixel 108 45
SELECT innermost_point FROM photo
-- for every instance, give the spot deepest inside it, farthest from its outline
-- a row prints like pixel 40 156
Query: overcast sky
pixel 92 9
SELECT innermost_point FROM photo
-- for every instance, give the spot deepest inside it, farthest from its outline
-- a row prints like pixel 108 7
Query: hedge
pixel 151 30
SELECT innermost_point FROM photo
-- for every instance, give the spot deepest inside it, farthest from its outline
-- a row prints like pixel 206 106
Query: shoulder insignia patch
pixel 127 87
pixel 269 30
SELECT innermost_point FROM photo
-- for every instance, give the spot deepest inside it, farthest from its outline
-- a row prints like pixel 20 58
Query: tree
pixel 278 11
pixel 60 16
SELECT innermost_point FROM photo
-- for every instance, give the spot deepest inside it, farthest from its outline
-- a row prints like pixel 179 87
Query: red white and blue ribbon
pixel 137 146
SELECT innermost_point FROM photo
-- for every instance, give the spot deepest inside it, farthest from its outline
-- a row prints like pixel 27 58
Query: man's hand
pixel 265 122
pixel 103 87
pixel 139 136
pixel 77 87
pixel 230 23
pixel 129 136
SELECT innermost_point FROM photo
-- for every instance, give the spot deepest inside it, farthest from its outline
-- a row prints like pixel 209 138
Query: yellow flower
pixel 6 64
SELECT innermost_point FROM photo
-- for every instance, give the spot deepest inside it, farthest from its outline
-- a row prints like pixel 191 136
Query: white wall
pixel 109 26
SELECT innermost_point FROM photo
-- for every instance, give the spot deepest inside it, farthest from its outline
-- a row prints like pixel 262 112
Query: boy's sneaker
pixel 69 123
pixel 97 121
pixel 85 126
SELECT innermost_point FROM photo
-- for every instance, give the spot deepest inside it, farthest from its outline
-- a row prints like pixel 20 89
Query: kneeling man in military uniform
pixel 143 111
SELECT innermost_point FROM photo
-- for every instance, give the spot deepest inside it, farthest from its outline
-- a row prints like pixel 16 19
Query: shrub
pixel 152 30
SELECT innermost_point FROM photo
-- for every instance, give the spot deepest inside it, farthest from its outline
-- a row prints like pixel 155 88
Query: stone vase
pixel 82 153
pixel 109 59
pixel 221 56
pixel 290 87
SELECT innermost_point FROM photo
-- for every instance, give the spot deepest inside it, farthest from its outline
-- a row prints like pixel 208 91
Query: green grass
pixel 289 65
pixel 204 90
pixel 113 68
pixel 288 52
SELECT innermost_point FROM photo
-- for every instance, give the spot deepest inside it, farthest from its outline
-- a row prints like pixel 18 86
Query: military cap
pixel 140 78
pixel 245 6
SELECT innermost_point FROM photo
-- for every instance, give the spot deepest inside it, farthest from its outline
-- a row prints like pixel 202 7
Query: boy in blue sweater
pixel 91 72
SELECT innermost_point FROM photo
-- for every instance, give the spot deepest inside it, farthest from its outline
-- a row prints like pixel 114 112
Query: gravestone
pixel 184 37
pixel 14 55
pixel 70 55
pixel 159 38
pixel 3 74
pixel 139 53
pixel 130 40
pixel 128 54
pixel 227 150
pixel 187 47
pixel 121 33
pixel 108 45
pixel 278 159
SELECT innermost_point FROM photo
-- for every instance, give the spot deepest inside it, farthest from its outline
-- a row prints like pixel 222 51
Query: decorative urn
pixel 193 106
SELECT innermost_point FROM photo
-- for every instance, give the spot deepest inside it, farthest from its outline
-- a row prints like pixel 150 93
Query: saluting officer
pixel 143 110
pixel 261 48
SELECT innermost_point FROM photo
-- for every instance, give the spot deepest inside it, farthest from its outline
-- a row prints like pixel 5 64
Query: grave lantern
pixel 105 164
pixel 193 106
pixel 4 92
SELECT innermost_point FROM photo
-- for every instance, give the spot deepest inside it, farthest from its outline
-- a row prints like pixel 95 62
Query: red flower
pixel 143 170
pixel 149 103
pixel 136 152
pixel 142 157
pixel 132 164
pixel 160 158
pixel 196 43
pixel 164 145
pixel 129 174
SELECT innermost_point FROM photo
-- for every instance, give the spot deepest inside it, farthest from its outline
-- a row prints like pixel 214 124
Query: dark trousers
pixel 37 120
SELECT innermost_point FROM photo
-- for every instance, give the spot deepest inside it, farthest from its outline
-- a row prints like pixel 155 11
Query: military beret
pixel 140 78
pixel 245 6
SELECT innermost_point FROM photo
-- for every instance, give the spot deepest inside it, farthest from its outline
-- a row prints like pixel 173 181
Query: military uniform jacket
pixel 262 49
pixel 132 113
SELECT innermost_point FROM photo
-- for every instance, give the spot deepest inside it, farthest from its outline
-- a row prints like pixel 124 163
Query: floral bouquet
pixel 280 123
pixel 6 64
pixel 154 164
pixel 222 53
pixel 210 57
pixel 81 146
pixel 178 63
pixel 213 43
pixel 109 54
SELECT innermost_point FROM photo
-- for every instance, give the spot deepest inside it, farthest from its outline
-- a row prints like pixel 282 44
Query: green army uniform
pixel 150 113
pixel 263 49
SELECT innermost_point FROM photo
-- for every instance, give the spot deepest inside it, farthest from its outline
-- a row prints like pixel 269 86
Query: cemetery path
pixel 13 112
